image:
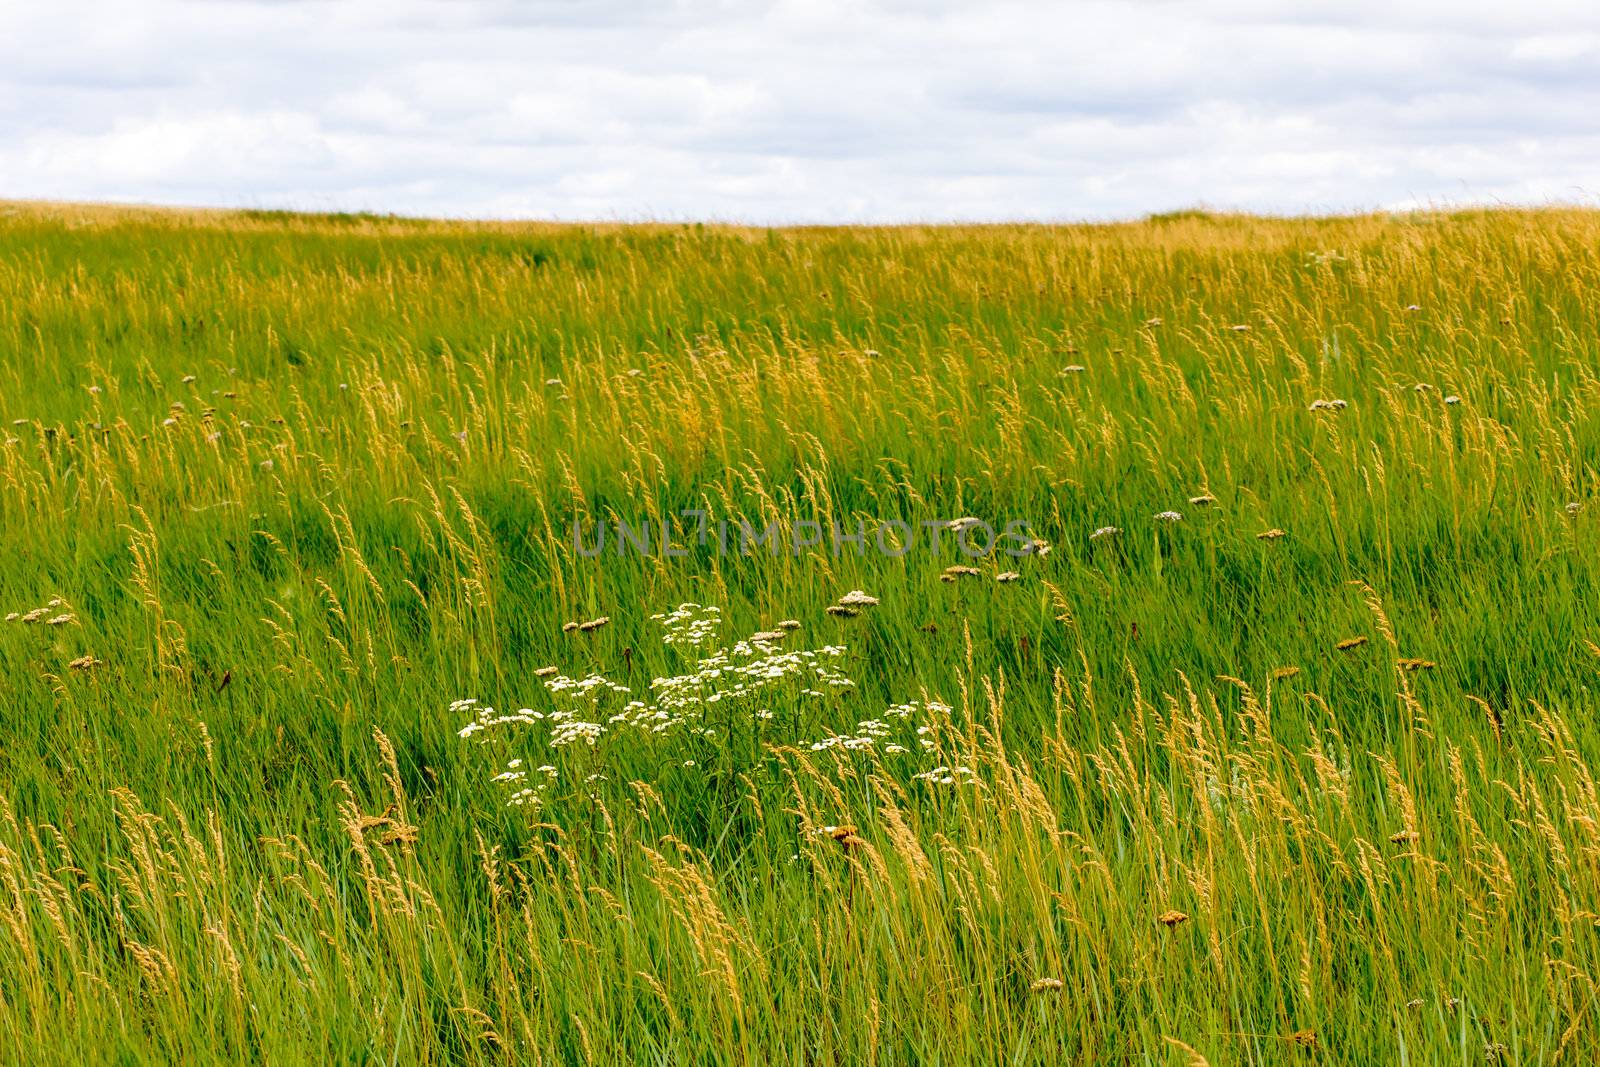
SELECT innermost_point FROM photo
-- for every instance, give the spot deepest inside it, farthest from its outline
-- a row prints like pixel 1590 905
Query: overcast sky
pixel 812 110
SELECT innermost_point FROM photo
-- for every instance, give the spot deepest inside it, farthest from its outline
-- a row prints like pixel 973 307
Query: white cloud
pixel 799 109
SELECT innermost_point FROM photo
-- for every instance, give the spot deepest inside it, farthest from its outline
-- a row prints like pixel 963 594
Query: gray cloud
pixel 799 110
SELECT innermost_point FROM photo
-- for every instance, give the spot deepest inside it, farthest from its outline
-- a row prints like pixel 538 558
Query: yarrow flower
pixel 949 776
pixel 1169 516
pixel 1036 547
pixel 733 687
pixel 689 625
pixel 1103 532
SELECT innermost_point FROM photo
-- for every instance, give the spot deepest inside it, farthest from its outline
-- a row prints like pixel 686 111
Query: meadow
pixel 325 740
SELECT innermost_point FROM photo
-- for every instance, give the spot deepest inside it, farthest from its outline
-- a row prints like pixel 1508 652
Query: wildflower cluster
pixel 53 613
pixel 743 678
pixel 898 732
pixel 690 625
pixel 949 776
pixel 732 687
pixel 526 790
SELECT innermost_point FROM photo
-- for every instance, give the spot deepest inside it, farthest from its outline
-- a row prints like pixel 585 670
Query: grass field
pixel 1304 775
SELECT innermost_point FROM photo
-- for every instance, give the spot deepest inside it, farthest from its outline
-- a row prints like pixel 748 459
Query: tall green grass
pixel 300 482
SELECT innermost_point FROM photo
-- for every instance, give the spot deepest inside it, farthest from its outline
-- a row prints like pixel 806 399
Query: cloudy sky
pixel 808 110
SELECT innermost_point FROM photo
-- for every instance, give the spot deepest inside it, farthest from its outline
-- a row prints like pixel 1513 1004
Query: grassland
pixel 278 492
